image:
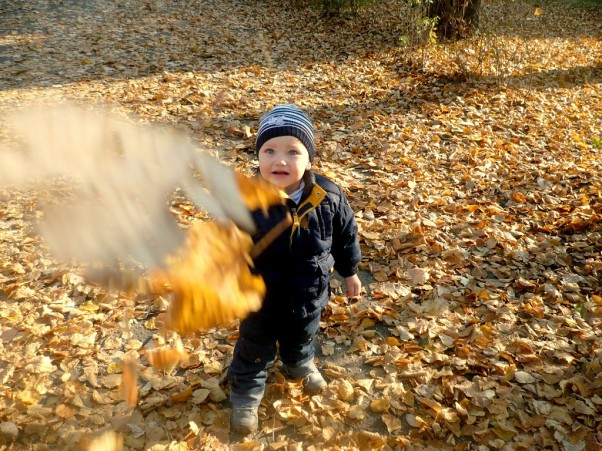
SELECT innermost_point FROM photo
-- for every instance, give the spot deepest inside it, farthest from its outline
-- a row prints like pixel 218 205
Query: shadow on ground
pixel 48 43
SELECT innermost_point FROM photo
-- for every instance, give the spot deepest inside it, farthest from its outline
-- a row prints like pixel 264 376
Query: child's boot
pixel 313 381
pixel 244 418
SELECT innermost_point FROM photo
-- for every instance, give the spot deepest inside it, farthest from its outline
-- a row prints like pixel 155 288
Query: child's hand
pixel 353 286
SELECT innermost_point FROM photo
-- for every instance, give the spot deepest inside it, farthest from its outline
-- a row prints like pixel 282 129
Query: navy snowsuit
pixel 296 269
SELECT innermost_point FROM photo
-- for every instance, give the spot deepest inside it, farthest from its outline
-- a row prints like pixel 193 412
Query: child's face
pixel 283 161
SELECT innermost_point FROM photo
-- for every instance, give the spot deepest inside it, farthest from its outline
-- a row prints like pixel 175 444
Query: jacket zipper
pixel 295 220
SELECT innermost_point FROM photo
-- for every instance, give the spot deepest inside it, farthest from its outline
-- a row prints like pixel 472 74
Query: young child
pixel 296 266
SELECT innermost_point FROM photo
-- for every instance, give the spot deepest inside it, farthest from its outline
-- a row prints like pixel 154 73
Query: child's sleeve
pixel 345 243
pixel 266 221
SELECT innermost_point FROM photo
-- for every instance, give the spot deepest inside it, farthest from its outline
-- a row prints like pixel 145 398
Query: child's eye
pixel 293 152
pixel 269 151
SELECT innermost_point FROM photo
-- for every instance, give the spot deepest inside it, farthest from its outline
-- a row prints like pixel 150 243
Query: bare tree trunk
pixel 456 18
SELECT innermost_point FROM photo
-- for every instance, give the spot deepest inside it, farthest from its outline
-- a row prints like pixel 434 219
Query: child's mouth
pixel 280 173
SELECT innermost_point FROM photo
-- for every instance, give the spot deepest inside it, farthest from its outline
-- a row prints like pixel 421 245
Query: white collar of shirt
pixel 296 196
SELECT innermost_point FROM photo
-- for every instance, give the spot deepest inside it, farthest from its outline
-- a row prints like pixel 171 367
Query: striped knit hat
pixel 286 120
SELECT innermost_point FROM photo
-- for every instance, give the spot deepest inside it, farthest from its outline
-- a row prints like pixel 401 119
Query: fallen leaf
pixel 380 405
pixel 419 276
pixel 356 412
pixel 523 377
pixel 392 422
pixel 108 441
pixel 345 390
pixel 165 358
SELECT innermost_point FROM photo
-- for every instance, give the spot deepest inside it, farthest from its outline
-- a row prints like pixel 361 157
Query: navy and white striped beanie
pixel 286 120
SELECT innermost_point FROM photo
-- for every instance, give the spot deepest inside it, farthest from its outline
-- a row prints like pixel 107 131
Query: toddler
pixel 296 266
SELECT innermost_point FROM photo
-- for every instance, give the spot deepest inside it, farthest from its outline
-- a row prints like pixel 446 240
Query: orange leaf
pixel 519 197
pixel 257 193
pixel 164 358
pixel 129 383
pixel 182 396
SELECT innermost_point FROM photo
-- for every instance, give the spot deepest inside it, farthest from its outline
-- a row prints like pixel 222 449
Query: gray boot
pixel 313 382
pixel 244 418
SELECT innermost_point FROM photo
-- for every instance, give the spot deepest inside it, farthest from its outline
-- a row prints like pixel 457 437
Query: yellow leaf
pixel 345 390
pixel 537 12
pixel 370 235
pixel 65 411
pixel 114 368
pixel 26 397
pixel 89 306
pixel 367 323
pixel 328 349
pixel 194 428
pixel 40 364
pixel 393 341
pixel 408 398
pixel 370 440
pixel 449 415
pixel 392 422
pixel 248 446
pixel 328 433
pixel 109 441
pixel 210 279
pixel 294 414
pixel 432 404
pixel 257 193
pixel 380 405
pixel 487 330
pixel 356 412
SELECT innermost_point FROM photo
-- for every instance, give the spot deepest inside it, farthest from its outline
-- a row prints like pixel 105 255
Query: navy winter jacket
pixel 296 266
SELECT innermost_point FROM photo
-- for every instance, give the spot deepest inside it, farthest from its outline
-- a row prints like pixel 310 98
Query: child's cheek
pixel 264 170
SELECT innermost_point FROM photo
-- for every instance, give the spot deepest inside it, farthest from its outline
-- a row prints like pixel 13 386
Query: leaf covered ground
pixel 475 175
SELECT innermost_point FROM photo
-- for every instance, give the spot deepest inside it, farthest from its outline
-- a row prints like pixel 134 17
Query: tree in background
pixel 455 18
